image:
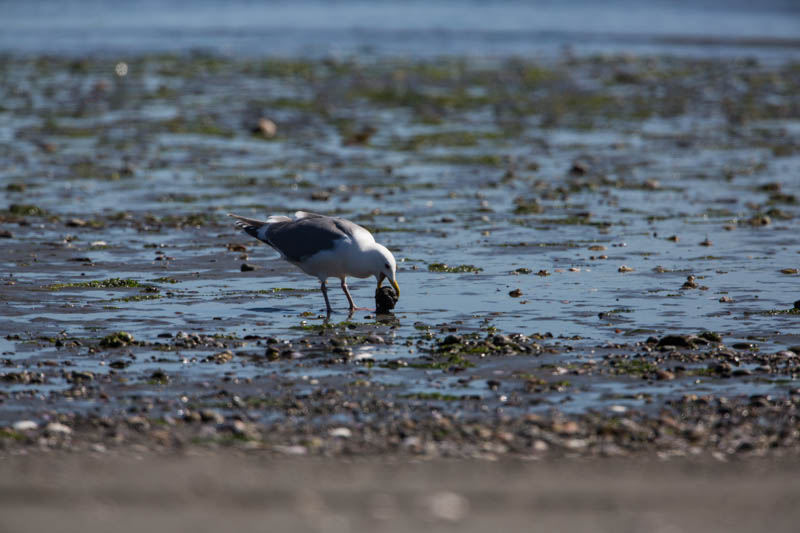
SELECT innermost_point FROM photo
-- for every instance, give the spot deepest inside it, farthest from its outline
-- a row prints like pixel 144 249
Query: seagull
pixel 325 247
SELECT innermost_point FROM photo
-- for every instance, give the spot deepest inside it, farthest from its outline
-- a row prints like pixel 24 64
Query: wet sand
pixel 598 257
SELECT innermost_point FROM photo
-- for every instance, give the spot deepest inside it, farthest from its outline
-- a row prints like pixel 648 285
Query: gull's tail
pixel 257 228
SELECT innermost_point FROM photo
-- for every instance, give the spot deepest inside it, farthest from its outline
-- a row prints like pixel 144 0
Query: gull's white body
pixel 325 247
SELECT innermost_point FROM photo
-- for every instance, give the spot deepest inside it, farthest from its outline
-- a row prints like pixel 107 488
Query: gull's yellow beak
pixel 393 282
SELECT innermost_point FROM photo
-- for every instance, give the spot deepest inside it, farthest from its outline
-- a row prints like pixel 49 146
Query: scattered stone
pixel 236 247
pixel 516 293
pixel 624 268
pixel 248 267
pixel 25 425
pixel 209 415
pixel 579 168
pixel 5 234
pixel 340 432
pixel 680 341
pixel 116 340
pixel 706 242
pixel 321 196
pixel 759 220
pixel 220 358
pixel 56 428
pixel 665 375
pixel 265 127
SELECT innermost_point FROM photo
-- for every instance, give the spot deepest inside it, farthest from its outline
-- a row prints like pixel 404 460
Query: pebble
pixel 5 234
pixel 56 427
pixel 247 267
pixel 25 425
pixel 664 374
pixel 209 415
pixel 341 432
pixel 516 293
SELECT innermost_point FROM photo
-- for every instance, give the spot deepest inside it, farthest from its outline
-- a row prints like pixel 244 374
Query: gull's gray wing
pixel 302 238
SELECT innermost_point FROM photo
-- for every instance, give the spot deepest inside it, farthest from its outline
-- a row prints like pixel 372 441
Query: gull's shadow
pixel 268 309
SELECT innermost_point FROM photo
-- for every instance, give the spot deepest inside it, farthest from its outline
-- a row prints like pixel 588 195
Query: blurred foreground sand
pixel 229 493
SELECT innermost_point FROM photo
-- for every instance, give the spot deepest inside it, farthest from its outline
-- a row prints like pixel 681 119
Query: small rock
pixel 266 127
pixel 76 223
pixel 453 339
pixel 341 432
pixel 665 375
pixel 25 425
pixel 681 341
pixel 236 247
pixel 57 428
pixel 247 267
pixel 516 293
pixel 706 242
pixel 570 427
pixel 624 268
pixel 690 283
pixel 720 367
pixel 579 168
pixel 209 415
pixel 5 234
pixel 321 196
pixel 220 358
pixel 138 423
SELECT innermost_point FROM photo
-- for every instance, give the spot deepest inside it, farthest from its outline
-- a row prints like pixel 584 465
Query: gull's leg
pixel 350 299
pixel 324 288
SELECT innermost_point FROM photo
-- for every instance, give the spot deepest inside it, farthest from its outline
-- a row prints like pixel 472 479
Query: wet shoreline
pixel 598 256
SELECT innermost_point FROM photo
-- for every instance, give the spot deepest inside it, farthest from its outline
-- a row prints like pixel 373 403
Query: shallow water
pixel 577 167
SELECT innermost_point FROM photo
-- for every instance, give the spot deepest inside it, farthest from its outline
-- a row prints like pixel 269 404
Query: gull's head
pixel 385 267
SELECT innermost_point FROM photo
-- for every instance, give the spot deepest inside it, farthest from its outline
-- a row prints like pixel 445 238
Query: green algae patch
pixel 442 267
pixel 634 367
pixel 455 139
pixel 116 340
pixel 26 210
pixel 112 283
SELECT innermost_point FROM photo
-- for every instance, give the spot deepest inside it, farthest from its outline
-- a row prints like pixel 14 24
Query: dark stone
pixel 681 341
pixel 247 267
